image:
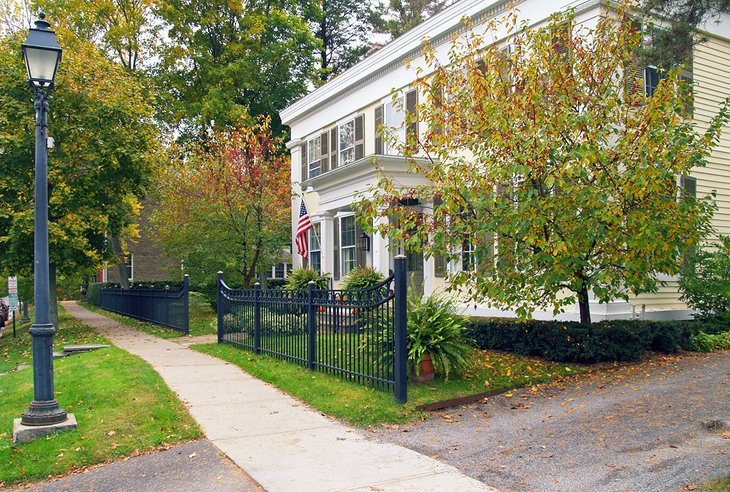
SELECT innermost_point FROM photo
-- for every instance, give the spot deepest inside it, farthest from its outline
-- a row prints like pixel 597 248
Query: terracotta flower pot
pixel 427 371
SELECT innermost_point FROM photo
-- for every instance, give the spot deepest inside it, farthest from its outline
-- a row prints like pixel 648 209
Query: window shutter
pixel 336 256
pixel 378 124
pixel 333 148
pixel 305 171
pixel 689 186
pixel 412 116
pixel 439 266
pixel 323 154
pixel 359 137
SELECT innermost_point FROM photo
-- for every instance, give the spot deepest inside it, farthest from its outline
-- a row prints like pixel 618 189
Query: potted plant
pixel 436 340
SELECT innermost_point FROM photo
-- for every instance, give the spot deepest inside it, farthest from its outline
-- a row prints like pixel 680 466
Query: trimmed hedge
pixel 617 340
pixel 93 294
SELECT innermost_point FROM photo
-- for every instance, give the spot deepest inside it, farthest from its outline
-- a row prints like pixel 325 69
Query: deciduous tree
pixel 224 204
pixel 105 146
pixel 550 162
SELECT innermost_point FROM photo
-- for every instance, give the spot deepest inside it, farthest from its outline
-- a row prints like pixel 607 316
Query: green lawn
pixel 203 319
pixel 121 404
pixel 362 406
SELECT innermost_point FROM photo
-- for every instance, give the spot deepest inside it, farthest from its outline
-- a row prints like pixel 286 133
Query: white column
pixel 429 264
pixel 294 147
pixel 379 246
pixel 327 241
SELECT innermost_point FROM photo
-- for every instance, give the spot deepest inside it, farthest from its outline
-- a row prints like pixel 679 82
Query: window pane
pixel 314 235
pixel 347 142
pixel 315 260
pixel 347 231
pixel 349 260
pixel 395 118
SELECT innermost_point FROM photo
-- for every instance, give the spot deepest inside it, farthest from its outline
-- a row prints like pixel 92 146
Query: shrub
pixel 436 329
pixel 299 279
pixel 705 280
pixel 564 341
pixel 93 294
pixel 361 278
pixel 704 342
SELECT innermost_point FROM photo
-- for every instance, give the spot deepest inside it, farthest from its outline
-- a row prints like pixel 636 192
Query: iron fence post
pixel 401 337
pixel 257 318
pixel 186 304
pixel 311 326
pixel 219 306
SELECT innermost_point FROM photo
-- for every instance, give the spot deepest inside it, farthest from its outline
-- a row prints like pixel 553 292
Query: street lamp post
pixel 42 55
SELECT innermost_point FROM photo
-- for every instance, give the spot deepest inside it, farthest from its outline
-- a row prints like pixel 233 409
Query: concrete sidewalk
pixel 280 442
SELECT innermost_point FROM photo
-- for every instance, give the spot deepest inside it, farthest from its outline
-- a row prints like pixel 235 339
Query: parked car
pixel 4 312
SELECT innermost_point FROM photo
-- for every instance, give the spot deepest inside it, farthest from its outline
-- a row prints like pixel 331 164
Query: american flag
pixel 303 226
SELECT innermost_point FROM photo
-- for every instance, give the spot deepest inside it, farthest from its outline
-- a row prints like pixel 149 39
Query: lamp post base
pixel 26 433
pixel 44 413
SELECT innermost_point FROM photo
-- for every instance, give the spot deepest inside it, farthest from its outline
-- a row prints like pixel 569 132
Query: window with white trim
pixel 129 266
pixel 395 119
pixel 314 156
pixel 348 245
pixel 346 142
pixel 315 248
pixel 467 256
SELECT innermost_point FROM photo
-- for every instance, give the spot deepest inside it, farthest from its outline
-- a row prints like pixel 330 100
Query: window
pixel 346 142
pixel 467 256
pixel 395 118
pixel 129 266
pixel 348 244
pixel 315 249
pixel 314 156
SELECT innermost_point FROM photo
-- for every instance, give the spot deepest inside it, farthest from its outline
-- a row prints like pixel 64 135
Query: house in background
pixel 334 140
pixel 145 261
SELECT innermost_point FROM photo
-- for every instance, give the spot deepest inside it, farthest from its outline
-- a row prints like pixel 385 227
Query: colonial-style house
pixel 334 141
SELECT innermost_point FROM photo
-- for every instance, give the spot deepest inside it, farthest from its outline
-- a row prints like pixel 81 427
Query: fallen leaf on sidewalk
pixel 192 455
pixel 611 465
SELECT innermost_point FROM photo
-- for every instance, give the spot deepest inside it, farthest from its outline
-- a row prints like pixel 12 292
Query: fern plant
pixel 435 328
pixel 299 278
pixel 362 278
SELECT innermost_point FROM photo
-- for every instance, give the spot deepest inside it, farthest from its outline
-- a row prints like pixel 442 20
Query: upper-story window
pixel 314 156
pixel 346 132
pixel 395 120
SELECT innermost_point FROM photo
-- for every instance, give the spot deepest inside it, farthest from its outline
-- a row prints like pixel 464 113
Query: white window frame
pixel 353 247
pixel 345 155
pixel 129 267
pixel 315 238
pixel 314 167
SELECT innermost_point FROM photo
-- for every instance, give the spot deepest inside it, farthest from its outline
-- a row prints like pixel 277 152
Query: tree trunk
pixel 584 306
pixel 53 293
pixel 121 264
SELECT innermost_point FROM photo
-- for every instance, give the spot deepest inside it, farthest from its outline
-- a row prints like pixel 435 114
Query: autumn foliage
pixel 548 159
pixel 224 204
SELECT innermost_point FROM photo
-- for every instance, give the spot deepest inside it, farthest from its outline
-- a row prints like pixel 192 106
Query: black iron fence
pixel 356 335
pixel 164 307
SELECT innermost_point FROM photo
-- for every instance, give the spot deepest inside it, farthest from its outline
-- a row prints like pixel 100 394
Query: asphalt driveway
pixel 660 425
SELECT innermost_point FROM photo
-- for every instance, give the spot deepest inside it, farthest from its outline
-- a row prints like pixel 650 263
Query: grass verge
pixel 718 485
pixel 121 404
pixel 202 319
pixel 363 406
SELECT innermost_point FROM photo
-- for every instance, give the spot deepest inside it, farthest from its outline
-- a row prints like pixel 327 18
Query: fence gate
pixel 358 335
